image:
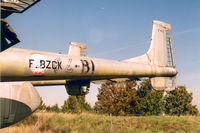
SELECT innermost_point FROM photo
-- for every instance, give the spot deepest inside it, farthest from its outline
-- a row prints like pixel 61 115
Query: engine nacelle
pixel 17 101
pixel 77 88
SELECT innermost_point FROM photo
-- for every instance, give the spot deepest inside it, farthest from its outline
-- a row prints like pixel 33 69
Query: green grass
pixel 96 123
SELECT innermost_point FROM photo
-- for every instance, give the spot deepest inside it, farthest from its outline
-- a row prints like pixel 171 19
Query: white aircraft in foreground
pixel 22 69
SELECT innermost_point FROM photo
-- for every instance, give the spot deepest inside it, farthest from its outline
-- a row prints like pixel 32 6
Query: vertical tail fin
pixel 161 54
pixel 161 50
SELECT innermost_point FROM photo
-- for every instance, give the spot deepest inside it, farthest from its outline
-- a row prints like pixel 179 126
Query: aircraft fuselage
pixel 26 65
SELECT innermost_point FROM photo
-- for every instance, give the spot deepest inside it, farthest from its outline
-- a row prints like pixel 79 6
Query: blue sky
pixel 112 29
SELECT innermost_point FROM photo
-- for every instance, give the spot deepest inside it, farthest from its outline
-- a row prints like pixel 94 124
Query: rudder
pixel 161 51
pixel 161 54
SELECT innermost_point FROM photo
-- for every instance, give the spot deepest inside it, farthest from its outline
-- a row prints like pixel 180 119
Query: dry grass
pixel 94 123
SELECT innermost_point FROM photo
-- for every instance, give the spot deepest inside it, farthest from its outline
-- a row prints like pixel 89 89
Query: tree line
pixel 74 104
pixel 130 98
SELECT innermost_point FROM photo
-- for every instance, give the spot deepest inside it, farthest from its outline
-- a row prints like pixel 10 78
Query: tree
pixel 117 98
pixel 71 105
pixel 75 104
pixel 97 108
pixel 178 102
pixel 149 100
pixel 42 105
pixel 85 106
pixel 55 108
pixel 123 98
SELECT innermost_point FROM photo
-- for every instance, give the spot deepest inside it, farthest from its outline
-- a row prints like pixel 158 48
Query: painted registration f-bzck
pixel 22 69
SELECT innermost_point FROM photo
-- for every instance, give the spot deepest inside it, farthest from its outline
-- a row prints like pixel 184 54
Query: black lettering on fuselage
pixel 88 66
pixel 42 64
pixel 48 64
pixel 93 67
pixel 68 66
pixel 59 65
pixel 30 62
pixel 45 64
pixel 54 64
pixel 85 66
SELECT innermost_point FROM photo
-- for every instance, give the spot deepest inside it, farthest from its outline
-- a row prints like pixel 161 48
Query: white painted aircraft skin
pixel 26 65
